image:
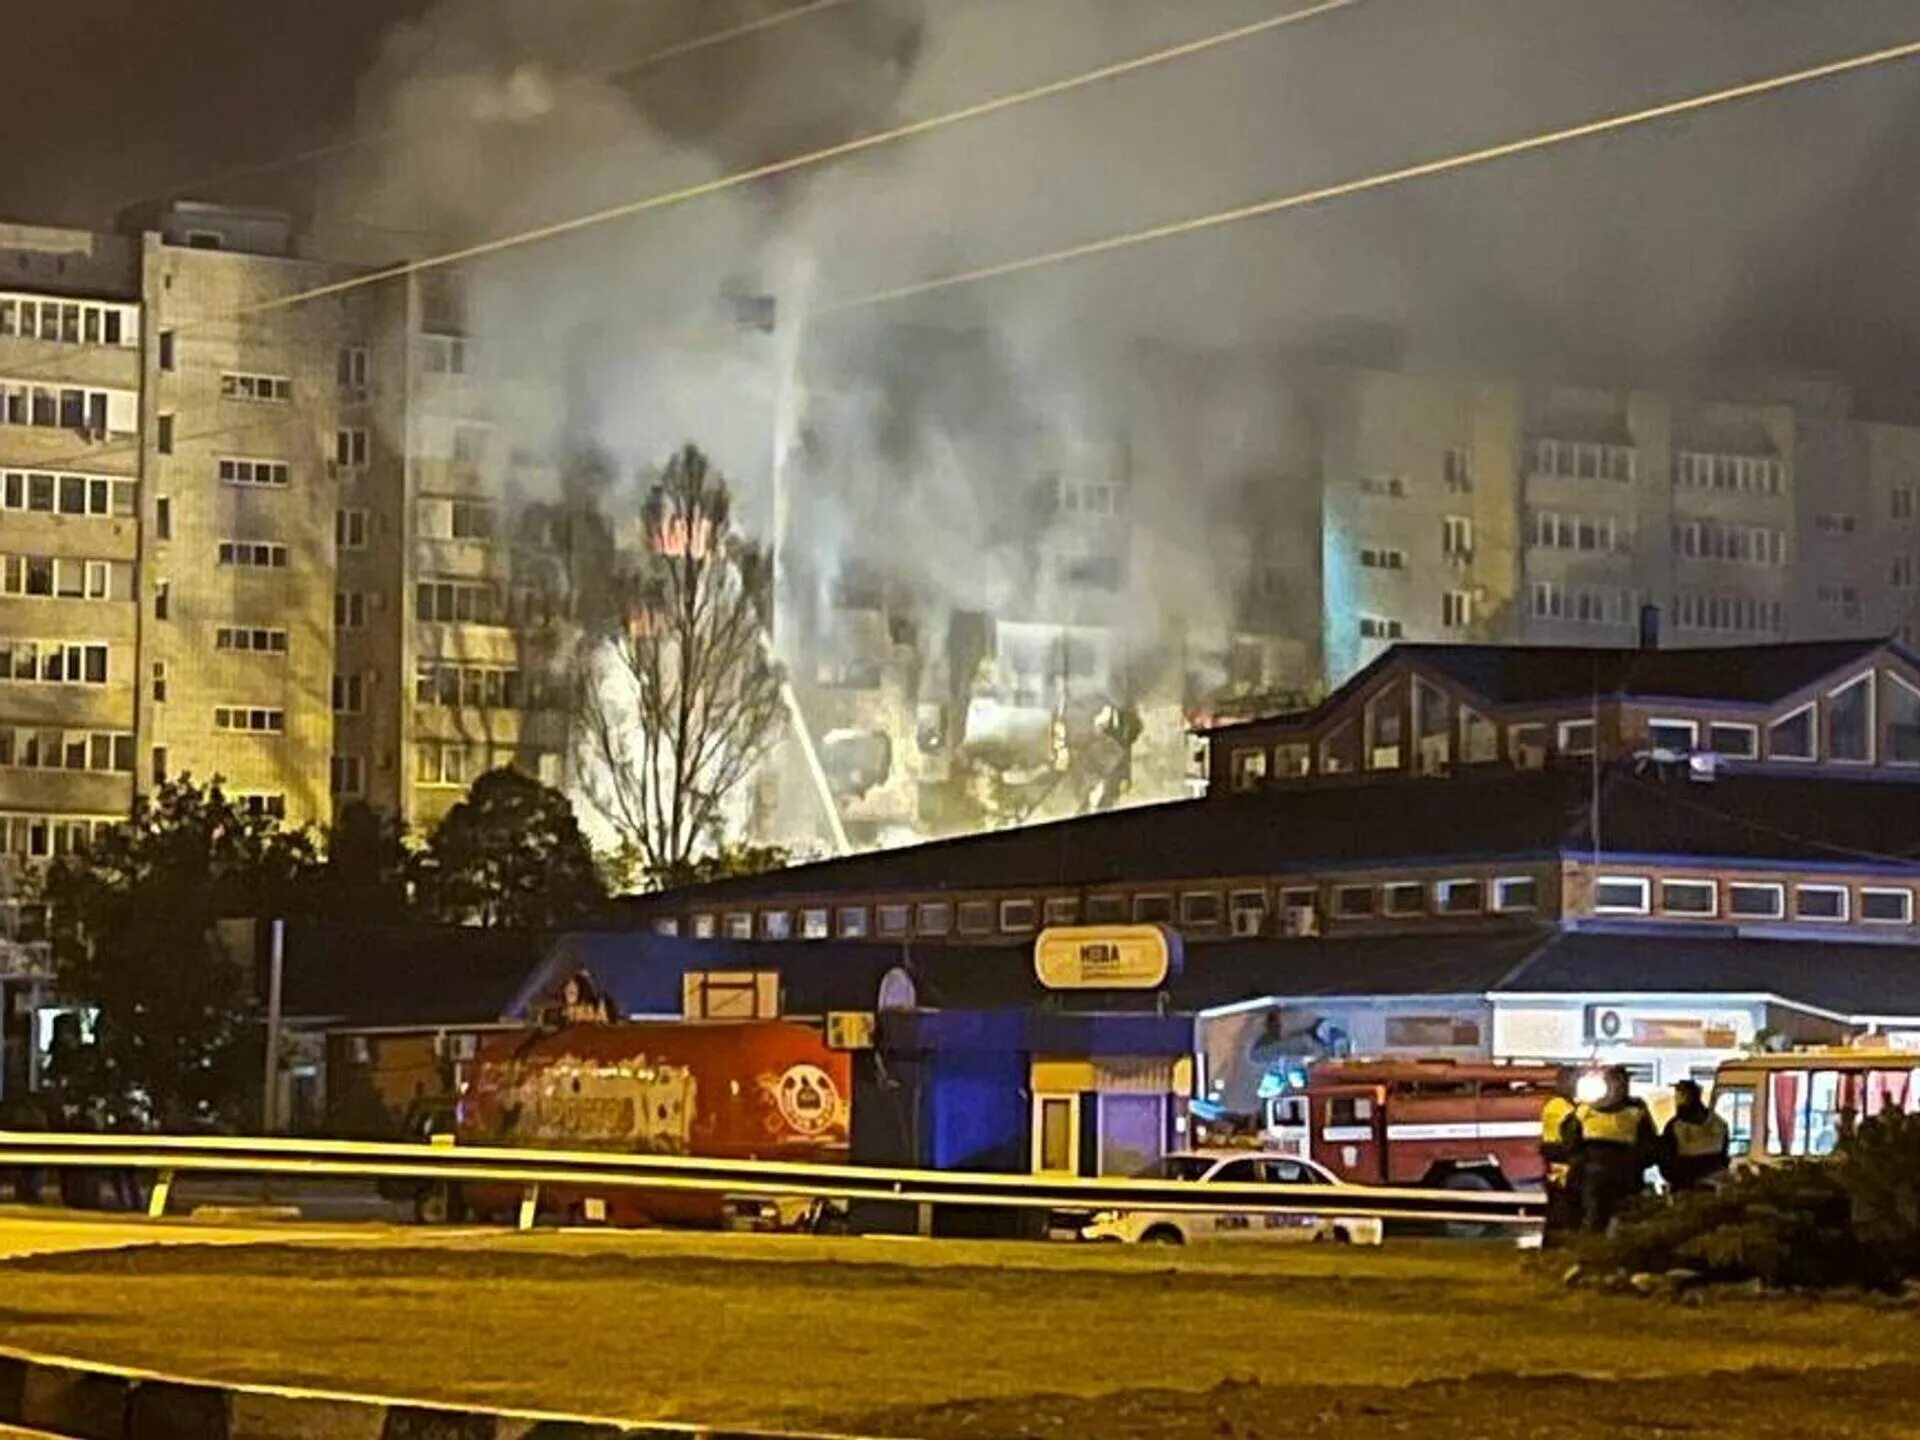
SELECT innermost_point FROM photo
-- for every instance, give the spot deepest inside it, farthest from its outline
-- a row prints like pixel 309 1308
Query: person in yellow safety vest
pixel 1615 1145
pixel 1693 1147
pixel 1558 1145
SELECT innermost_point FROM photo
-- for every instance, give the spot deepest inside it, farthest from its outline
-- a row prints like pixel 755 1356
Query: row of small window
pixel 1726 613
pixel 272 474
pixel 1583 460
pixel 250 719
pixel 50 837
pixel 441 518
pixel 1583 604
pixel 253 638
pixel 1553 531
pixel 1855 726
pixel 66 494
pixel 468 602
pixel 253 554
pixel 1747 474
pixel 474 687
pixel 69 322
pixel 52 662
pixel 1719 540
pixel 1192 909
pixel 26 748
pixel 55 577
pixel 455 762
pixel 277 389
pixel 1751 900
pixel 1087 497
pixel 54 409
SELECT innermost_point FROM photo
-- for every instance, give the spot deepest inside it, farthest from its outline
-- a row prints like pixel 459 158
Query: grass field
pixel 951 1339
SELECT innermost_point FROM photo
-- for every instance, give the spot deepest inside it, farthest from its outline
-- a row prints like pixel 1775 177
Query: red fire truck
pixel 1465 1124
pixel 754 1090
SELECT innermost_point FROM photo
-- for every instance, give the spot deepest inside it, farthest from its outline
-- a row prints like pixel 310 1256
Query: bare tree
pixel 679 697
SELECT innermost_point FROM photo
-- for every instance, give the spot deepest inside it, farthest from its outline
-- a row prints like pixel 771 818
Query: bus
pixel 1800 1102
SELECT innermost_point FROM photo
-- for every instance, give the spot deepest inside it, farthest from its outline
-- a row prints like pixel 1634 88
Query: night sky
pixel 1792 222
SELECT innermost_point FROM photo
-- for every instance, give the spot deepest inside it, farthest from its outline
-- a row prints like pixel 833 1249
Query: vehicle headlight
pixel 1106 1217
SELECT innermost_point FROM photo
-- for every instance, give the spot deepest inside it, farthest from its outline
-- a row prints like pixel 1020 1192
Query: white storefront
pixel 1660 1038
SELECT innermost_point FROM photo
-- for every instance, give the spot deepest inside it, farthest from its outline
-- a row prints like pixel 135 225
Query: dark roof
pixel 1554 674
pixel 392 976
pixel 643 972
pixel 1846 979
pixel 1495 814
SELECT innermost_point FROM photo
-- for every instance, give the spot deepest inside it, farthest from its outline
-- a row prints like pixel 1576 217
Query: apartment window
pixel 703 926
pixel 1886 906
pixel 1403 897
pixel 1200 908
pixel 48 494
pixel 352 368
pixel 1456 609
pixel 272 474
pixel 1689 897
pixel 163 434
pixel 1152 909
pixel 933 917
pixel 253 719
pixel 349 609
pixel 1576 737
pixel 1621 895
pixel 1460 897
pixel 453 602
pixel 1456 537
pixel 163 518
pixel 976 917
pixel 1833 523
pixel 349 694
pixel 1087 497
pixel 1674 735
pixel 776 924
pixel 1820 902
pixel 1384 487
pixel 474 520
pixel 347 775
pixel 1516 892
pixel 853 922
pixel 1381 558
pixel 1458 472
pixel 350 448
pixel 159 682
pixel 1735 741
pixel 1900 502
pixel 1353 902
pixel 1850 721
pixel 253 555
pixel 258 639
pixel 1017 916
pixel 1791 738
pixel 1748 900
pixel 1379 627
pixel 1900 572
pixel 737 925
pixel 1062 910
pixel 159 770
pixel 350 529
pixel 443 354
pixel 274 388
pixel 1106 909
pixel 53 662
pixel 894 919
pixel 167 350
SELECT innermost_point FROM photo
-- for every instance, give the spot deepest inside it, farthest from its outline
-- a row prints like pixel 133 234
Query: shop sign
pixel 1106 957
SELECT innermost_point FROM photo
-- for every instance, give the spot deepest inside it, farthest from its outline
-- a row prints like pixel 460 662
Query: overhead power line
pixel 628 70
pixel 736 179
pixel 1300 200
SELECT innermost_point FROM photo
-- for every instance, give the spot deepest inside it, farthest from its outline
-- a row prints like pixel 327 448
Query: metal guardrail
pixel 532 1170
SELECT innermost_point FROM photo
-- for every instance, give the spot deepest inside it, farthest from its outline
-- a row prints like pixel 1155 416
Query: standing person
pixel 1559 1136
pixel 1693 1147
pixel 1617 1142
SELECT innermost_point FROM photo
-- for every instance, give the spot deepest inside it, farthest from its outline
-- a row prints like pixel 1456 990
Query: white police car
pixel 1232 1167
